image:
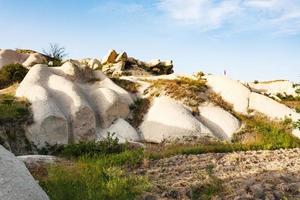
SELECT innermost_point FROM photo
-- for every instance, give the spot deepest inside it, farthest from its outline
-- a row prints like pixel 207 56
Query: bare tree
pixel 55 52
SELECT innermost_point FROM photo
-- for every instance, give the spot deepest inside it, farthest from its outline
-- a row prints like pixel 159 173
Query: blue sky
pixel 250 39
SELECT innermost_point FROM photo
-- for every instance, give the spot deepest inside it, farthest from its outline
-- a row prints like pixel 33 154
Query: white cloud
pixel 205 13
pixel 280 16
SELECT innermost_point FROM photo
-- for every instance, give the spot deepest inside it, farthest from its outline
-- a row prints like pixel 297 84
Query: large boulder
pixel 231 91
pixel 222 123
pixel 70 103
pixel 122 130
pixel 169 119
pixel 16 183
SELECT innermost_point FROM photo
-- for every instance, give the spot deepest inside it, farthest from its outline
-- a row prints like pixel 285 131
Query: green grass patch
pixel 96 171
pixel 90 181
pixel 12 108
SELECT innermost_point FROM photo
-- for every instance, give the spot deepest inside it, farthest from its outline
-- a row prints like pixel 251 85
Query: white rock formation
pixel 271 108
pixel 222 123
pixel 167 119
pixel 70 103
pixel 282 87
pixel 8 56
pixel 122 130
pixel 33 59
pixel 231 91
pixel 16 182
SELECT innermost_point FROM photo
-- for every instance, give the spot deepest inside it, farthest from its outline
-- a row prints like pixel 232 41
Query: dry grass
pixel 190 91
pixel 126 84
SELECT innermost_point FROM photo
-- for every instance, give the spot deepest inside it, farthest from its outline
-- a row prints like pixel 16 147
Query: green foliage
pixel 297 109
pixel 296 125
pixel 297 90
pixel 269 134
pixel 12 73
pixel 107 146
pixel 12 108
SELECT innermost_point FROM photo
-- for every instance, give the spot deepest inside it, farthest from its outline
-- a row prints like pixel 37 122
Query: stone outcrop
pixel 169 119
pixel 231 91
pixel 16 183
pixel 220 122
pixel 71 103
pixel 8 56
pixel 120 64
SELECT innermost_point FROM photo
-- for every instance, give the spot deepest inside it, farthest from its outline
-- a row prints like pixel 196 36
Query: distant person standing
pixel 225 73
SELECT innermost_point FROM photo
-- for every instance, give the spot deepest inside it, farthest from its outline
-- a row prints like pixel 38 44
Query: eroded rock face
pixel 70 103
pixel 231 91
pixel 8 56
pixel 220 122
pixel 168 119
pixel 16 183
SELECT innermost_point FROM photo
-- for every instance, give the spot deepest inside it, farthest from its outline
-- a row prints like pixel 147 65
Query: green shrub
pixel 11 73
pixel 109 145
pixel 298 91
pixel 12 108
pixel 297 109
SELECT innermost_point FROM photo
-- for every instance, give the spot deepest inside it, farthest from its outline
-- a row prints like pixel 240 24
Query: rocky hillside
pixel 44 108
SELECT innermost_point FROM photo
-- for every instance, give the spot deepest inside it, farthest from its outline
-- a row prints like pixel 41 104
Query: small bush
pixel 109 145
pixel 297 91
pixel 12 73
